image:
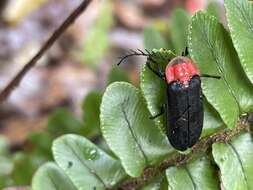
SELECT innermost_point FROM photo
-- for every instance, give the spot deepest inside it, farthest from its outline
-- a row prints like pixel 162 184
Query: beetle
pixel 183 107
pixel 184 104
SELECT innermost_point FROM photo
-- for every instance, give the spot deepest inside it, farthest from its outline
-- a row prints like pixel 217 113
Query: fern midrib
pixel 191 178
pixel 240 162
pixel 242 12
pixel 52 180
pixel 85 165
pixel 129 126
pixel 218 67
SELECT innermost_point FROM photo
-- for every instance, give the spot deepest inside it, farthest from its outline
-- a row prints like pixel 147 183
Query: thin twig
pixel 179 159
pixel 58 32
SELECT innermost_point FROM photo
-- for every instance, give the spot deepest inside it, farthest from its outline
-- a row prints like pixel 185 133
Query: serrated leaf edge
pixel 237 46
pixel 137 93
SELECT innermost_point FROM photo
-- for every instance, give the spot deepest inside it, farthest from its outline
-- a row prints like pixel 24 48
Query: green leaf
pixel 212 120
pixel 153 39
pixel 179 28
pixel 152 87
pixel 117 74
pixel 90 106
pixel 240 22
pixel 85 164
pixel 235 162
pixel 212 49
pixel 61 121
pixel 129 132
pixel 158 183
pixel 197 174
pixel 51 177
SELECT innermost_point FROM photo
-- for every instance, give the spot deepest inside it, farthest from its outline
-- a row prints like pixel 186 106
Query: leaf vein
pixel 218 62
pixel 245 17
pixel 190 176
pixel 52 180
pixel 132 133
pixel 240 162
pixel 85 165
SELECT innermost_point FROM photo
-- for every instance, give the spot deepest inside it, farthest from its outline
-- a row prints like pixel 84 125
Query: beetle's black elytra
pixel 184 113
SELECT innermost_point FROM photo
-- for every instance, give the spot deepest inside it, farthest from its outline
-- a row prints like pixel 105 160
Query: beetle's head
pixel 181 69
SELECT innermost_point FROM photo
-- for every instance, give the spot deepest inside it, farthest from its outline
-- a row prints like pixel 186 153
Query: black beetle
pixel 184 104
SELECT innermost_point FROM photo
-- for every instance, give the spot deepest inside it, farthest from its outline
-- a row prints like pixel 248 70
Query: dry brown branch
pixel 178 159
pixel 58 32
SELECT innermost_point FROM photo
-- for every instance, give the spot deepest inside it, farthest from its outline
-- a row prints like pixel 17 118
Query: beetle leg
pixel 158 73
pixel 159 114
pixel 210 76
pixel 185 52
pixel 162 74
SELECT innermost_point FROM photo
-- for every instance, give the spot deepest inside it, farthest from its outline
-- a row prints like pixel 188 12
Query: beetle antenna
pixel 150 56
pixel 142 52
pixel 210 76
pixel 148 52
pixel 133 53
pixel 138 52
pixel 159 73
